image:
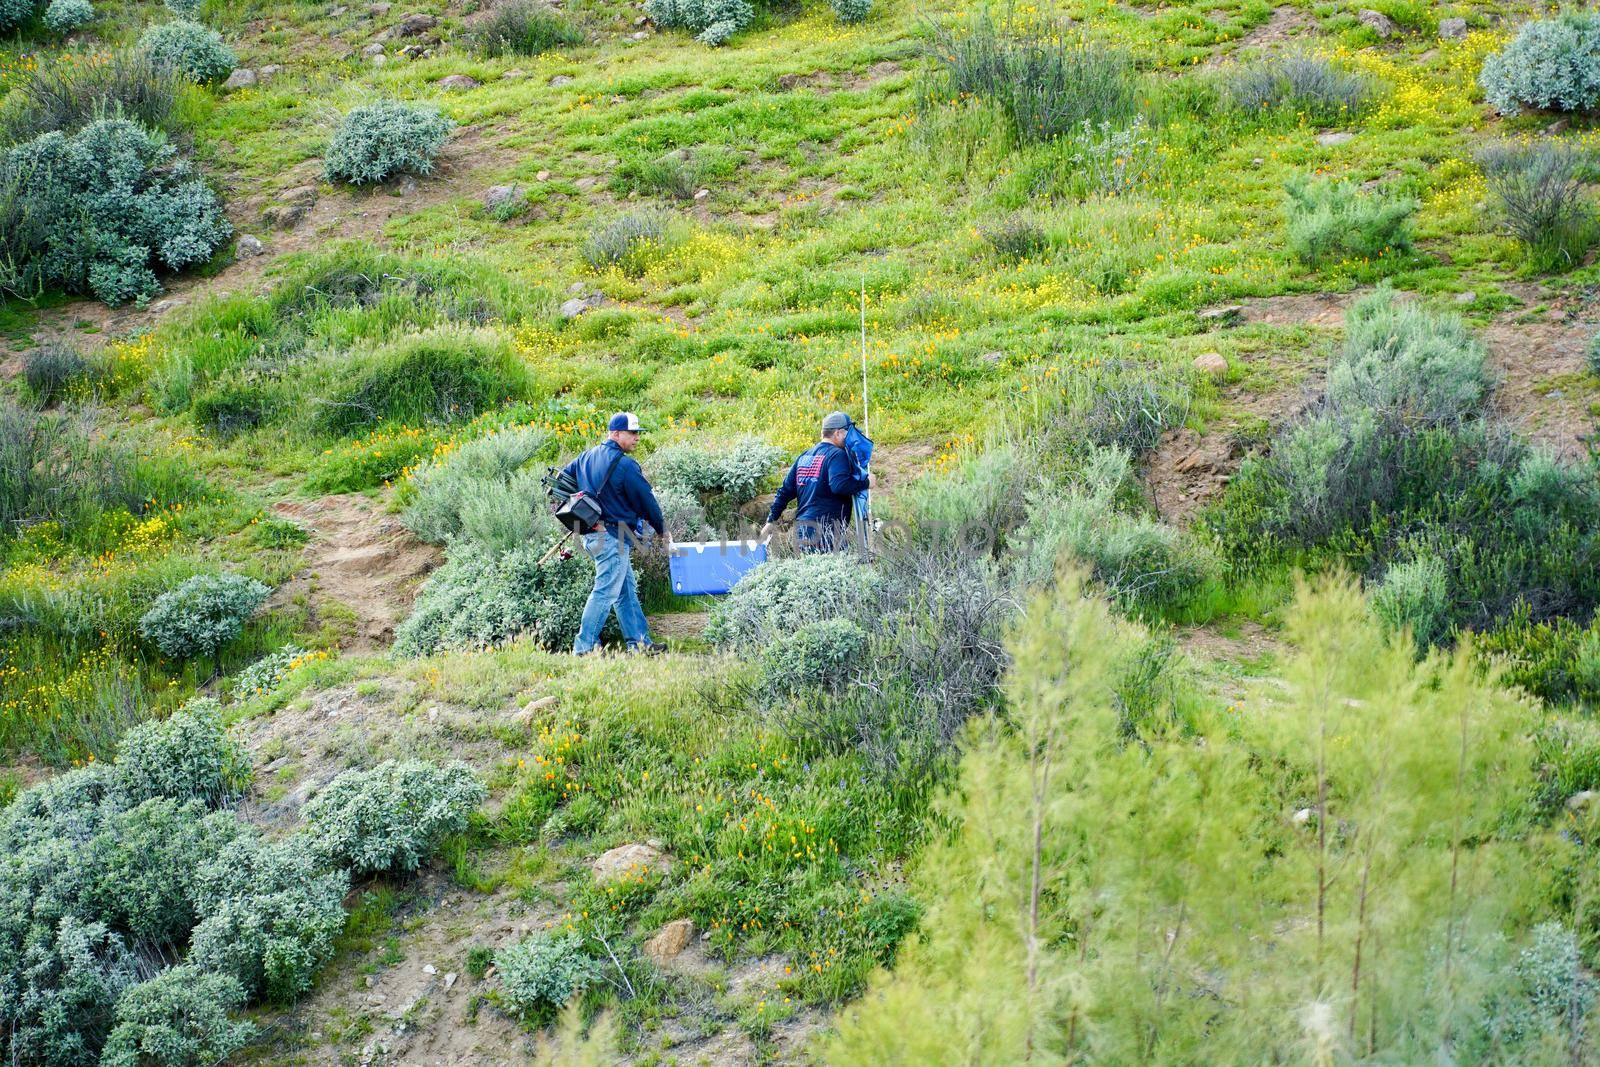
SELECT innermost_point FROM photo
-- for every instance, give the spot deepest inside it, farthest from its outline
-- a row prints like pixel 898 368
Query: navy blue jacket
pixel 824 480
pixel 627 499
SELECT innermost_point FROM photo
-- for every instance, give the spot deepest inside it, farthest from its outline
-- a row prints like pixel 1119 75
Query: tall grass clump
pixel 524 28
pixel 1322 870
pixel 628 243
pixel 1540 188
pixel 66 97
pixel 440 377
pixel 1300 84
pixel 1046 83
pixel 1552 64
pixel 1333 221
pixel 53 371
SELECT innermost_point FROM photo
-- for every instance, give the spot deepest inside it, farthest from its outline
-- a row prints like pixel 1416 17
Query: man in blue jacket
pixel 824 481
pixel 627 505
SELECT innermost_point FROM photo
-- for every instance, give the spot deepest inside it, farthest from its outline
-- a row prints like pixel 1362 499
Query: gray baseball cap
pixel 835 420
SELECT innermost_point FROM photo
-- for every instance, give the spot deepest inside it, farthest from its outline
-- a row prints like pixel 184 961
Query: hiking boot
pixel 647 648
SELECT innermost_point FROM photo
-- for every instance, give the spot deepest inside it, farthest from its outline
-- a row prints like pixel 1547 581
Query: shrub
pixel 1415 595
pixel 187 756
pixel 1540 189
pixel 1017 239
pixel 179 1018
pixel 1541 1001
pixel 192 50
pixel 66 97
pixel 392 817
pixel 711 21
pixel 50 371
pixel 481 598
pixel 1592 354
pixel 480 491
pixel 1301 84
pixel 439 377
pixel 146 861
pixel 1557 661
pixel 270 916
pixel 767 602
pixel 1408 364
pixel 228 408
pixel 61 996
pixel 186 9
pixel 1115 161
pixel 14 13
pixel 1046 82
pixel 850 11
pixel 377 142
pixel 64 16
pixel 1551 63
pixel 1331 221
pixel 201 615
pixel 818 655
pixel 524 28
pixel 266 673
pixel 96 210
pixel 628 243
pixel 539 974
pixel 723 477
pixel 678 174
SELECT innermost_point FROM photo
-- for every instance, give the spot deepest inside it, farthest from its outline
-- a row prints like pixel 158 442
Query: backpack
pixel 578 511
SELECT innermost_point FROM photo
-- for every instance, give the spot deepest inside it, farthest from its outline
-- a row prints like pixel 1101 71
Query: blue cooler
pixel 715 567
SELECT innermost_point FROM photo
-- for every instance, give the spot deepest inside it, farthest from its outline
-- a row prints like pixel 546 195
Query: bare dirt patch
pixel 366 562
pixel 1286 27
pixel 1299 309
pixel 1187 471
pixel 1545 389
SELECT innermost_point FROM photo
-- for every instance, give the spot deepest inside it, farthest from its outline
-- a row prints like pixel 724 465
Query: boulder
pixel 1381 24
pixel 630 861
pixel 373 49
pixel 248 247
pixel 241 78
pixel 1335 137
pixel 1452 29
pixel 543 176
pixel 701 194
pixel 514 74
pixel 1582 801
pixel 579 304
pixel 497 195
pixel 270 71
pixel 415 25
pixel 670 940
pixel 457 81
pixel 1214 364
pixel 300 194
pixel 559 80
pixel 1225 315
pixel 787 82
pixel 380 9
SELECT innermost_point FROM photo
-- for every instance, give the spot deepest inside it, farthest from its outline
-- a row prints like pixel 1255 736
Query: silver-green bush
pixel 64 16
pixel 1415 595
pixel 187 756
pixel 264 675
pixel 378 141
pixel 195 51
pixel 711 21
pixel 179 1018
pixel 819 655
pixel 1551 63
pixel 392 817
pixel 541 973
pixel 1329 221
pixel 481 492
pixel 780 595
pixel 1406 362
pixel 271 912
pixel 98 210
pixel 722 477
pixel 202 614
pixel 481 598
pixel 60 994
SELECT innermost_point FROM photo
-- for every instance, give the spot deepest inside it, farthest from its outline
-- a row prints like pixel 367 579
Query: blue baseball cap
pixel 624 420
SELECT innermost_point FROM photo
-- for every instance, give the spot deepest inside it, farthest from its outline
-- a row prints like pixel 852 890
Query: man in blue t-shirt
pixel 627 506
pixel 824 482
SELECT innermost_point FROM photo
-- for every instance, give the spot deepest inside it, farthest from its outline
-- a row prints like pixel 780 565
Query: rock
pixel 1467 297
pixel 248 247
pixel 450 980
pixel 1302 818
pixel 701 194
pixel 542 176
pixel 642 35
pixel 787 82
pixel 533 706
pixel 1452 29
pixel 1214 364
pixel 161 307
pixel 559 80
pixel 1226 315
pixel 373 49
pixel 285 216
pixel 1328 140
pixel 378 60
pixel 408 186
pixel 642 20
pixel 415 25
pixel 670 940
pixel 496 195
pixel 300 194
pixel 457 81
pixel 629 860
pixel 586 183
pixel 428 968
pixel 270 71
pixel 380 9
pixel 1583 800
pixel 579 304
pixel 1257 161
pixel 1558 126
pixel 412 51
pixel 241 78
pixel 1381 24
pixel 340 10
pixel 514 74
pixel 576 287
pixel 992 358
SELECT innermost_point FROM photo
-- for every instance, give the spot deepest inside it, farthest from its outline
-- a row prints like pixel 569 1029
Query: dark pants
pixel 818 537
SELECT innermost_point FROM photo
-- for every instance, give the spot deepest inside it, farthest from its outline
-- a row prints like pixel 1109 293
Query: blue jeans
pixel 613 587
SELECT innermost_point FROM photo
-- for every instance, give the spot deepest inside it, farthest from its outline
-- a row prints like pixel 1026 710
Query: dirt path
pixel 360 564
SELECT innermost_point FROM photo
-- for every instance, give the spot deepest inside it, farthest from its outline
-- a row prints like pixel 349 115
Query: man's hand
pixel 872 480
pixel 768 530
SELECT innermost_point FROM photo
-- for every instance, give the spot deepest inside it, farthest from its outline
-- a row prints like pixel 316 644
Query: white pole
pixel 866 414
